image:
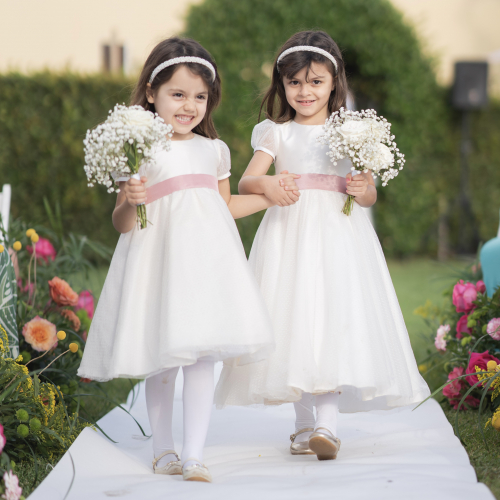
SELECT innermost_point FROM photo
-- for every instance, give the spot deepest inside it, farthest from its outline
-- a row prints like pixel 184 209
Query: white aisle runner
pixel 399 454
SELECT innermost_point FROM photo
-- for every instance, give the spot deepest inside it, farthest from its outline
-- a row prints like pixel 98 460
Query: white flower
pixel 138 117
pixel 440 341
pixel 12 489
pixel 354 130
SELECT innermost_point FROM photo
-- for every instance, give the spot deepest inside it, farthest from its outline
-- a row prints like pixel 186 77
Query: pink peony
pixel 493 328
pixel 86 301
pixel 479 359
pixel 44 250
pixel 462 327
pixel 464 294
pixel 40 334
pixel 2 438
pixel 12 489
pixel 440 341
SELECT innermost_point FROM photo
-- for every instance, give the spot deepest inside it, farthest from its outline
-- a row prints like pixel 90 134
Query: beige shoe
pixel 324 444
pixel 303 447
pixel 172 468
pixel 196 472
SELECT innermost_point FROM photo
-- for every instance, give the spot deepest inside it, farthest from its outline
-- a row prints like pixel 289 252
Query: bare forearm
pixel 252 184
pixel 243 205
pixel 369 198
pixel 124 217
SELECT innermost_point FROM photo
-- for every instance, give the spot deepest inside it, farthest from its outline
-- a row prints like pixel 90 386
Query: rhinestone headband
pixel 179 60
pixel 307 48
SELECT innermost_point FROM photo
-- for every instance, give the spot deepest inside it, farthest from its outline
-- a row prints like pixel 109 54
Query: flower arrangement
pixel 467 345
pixel 366 140
pixel 121 144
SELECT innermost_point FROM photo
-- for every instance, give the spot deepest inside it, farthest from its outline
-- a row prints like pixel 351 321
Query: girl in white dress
pixel 179 292
pixel 340 335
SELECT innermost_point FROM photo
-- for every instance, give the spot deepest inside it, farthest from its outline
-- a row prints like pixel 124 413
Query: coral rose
pixel 62 294
pixel 479 359
pixel 40 334
pixel 86 301
pixel 462 327
pixel 464 294
pixel 44 250
pixel 72 318
pixel 493 328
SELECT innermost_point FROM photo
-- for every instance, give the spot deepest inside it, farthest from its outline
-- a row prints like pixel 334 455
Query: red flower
pixel 464 294
pixel 85 380
pixel 479 359
pixel 44 250
pixel 462 327
pixel 62 294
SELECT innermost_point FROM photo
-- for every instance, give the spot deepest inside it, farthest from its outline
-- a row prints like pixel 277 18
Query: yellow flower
pixel 491 365
pixel 35 238
pixel 495 420
pixel 2 248
pixel 19 359
pixel 17 246
pixel 422 368
pixel 73 347
pixel 61 335
pixel 29 232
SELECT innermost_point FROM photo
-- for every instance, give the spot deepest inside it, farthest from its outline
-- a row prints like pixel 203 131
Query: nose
pixel 304 90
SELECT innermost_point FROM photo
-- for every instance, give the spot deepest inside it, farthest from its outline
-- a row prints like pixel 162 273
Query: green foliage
pixel 43 121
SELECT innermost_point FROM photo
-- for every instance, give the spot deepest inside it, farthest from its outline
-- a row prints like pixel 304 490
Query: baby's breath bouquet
pixel 119 146
pixel 366 139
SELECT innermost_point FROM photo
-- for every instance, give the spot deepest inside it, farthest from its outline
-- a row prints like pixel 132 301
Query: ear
pixel 149 94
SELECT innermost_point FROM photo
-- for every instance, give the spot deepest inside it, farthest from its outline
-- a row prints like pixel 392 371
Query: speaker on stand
pixel 470 93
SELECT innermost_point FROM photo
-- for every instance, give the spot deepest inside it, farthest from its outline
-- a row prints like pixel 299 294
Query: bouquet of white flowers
pixel 120 145
pixel 366 139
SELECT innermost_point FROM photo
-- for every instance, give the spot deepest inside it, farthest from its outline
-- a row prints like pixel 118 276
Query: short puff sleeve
pixel 224 168
pixel 264 138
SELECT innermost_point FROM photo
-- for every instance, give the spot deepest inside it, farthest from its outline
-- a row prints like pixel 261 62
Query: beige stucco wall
pixel 58 34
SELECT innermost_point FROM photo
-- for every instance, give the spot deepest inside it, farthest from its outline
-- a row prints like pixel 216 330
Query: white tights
pixel 327 408
pixel 197 399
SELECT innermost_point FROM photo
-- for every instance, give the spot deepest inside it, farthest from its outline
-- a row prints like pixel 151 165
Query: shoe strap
pixel 330 433
pixel 168 452
pixel 293 436
pixel 198 464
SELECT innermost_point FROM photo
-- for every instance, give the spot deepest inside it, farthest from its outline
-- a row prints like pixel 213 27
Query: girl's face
pixel 309 98
pixel 182 102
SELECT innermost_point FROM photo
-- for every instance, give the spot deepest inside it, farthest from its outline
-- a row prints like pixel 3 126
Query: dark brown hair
pixel 178 47
pixel 274 102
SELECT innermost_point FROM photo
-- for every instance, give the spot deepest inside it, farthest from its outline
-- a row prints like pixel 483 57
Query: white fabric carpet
pixel 397 454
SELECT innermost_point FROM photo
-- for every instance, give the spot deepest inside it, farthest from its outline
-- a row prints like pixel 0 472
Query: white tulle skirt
pixel 337 321
pixel 178 291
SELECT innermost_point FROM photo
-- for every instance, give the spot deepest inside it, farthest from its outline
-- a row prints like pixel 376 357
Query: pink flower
pixel 2 438
pixel 40 334
pixel 12 489
pixel 44 250
pixel 452 391
pixel 493 328
pixel 480 286
pixel 86 301
pixel 84 336
pixel 479 359
pixel 440 341
pixel 464 294
pixel 462 327
pixel 472 401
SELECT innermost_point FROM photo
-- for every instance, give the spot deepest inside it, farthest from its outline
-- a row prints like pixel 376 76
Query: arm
pixel 255 181
pixel 242 205
pixel 132 193
pixel 362 186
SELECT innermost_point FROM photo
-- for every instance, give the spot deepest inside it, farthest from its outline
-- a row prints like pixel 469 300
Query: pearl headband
pixel 179 60
pixel 307 48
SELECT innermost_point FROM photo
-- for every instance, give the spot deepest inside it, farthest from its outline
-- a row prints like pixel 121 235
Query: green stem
pixel 348 205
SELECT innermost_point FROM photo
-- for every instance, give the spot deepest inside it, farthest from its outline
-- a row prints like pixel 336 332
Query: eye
pixel 178 94
pixel 202 97
pixel 293 83
pixel 317 82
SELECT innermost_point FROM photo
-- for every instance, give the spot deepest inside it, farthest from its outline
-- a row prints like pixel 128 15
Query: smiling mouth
pixel 184 119
pixel 306 103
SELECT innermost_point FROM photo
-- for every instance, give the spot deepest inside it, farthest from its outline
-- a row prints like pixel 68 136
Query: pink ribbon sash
pixel 178 183
pixel 321 181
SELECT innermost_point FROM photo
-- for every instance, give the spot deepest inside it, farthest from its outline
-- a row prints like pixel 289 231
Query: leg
pixel 304 416
pixel 327 407
pixel 198 396
pixel 160 403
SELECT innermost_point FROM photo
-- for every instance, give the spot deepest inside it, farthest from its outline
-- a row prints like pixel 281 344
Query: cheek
pixel 201 109
pixel 166 108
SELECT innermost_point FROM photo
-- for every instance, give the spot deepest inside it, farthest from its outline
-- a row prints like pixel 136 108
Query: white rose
pixel 353 130
pixel 384 154
pixel 138 118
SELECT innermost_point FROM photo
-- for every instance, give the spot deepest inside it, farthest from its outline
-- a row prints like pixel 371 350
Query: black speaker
pixel 470 86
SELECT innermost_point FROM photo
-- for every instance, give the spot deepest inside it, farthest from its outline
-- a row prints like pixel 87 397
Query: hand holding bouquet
pixel 120 145
pixel 366 139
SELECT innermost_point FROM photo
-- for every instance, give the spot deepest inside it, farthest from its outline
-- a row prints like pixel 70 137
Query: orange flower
pixel 62 294
pixel 72 318
pixel 40 334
